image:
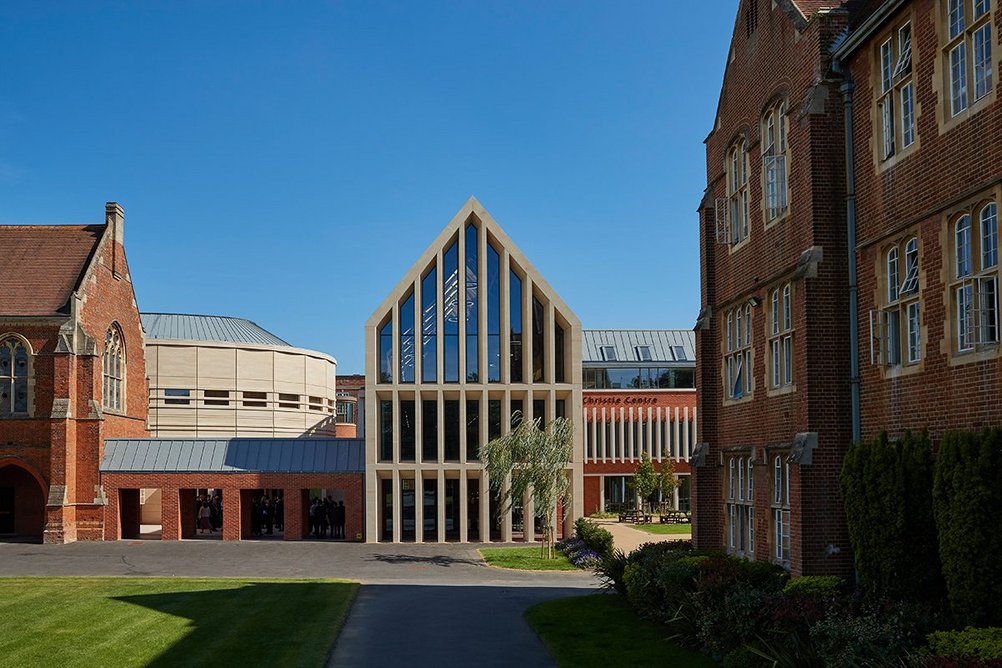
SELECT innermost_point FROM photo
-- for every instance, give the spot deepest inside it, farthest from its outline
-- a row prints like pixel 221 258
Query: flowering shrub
pixel 578 552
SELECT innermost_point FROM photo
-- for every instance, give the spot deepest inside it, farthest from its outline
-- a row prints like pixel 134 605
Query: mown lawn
pixel 601 630
pixel 525 559
pixel 664 529
pixel 170 622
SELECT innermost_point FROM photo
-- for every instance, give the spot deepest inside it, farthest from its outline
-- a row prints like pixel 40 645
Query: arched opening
pixel 22 502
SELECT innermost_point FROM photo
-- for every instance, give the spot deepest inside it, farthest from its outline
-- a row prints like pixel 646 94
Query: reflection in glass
pixel 451 430
pixel 472 322
pixel 407 431
pixel 515 311
pixel 537 341
pixel 450 312
pixel 493 419
pixel 385 431
pixel 386 352
pixel 472 429
pixel 407 340
pixel 407 509
pixel 685 378
pixel 429 327
pixel 429 430
pixel 493 315
pixel 430 510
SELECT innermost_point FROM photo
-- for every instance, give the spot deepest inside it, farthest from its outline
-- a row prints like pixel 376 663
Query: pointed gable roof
pixel 474 208
pixel 43 265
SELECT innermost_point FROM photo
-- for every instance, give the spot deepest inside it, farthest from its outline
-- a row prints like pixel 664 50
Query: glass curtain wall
pixel 472 311
pixel 429 430
pixel 429 327
pixel 558 346
pixel 472 429
pixel 451 430
pixel 515 311
pixel 385 431
pixel 538 355
pixel 407 340
pixel 407 431
pixel 386 352
pixel 450 313
pixel 493 315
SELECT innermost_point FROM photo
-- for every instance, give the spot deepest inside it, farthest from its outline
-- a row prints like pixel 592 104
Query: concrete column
pixel 485 509
pixel 506 517
pixel 631 445
pixel 373 499
pixel 528 519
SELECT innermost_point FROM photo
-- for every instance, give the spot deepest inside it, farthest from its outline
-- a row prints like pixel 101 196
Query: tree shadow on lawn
pixel 253 623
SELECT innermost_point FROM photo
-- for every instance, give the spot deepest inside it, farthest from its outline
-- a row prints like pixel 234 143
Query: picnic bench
pixel 674 517
pixel 635 516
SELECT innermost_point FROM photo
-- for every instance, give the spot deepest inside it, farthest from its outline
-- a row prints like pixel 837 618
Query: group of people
pixel 208 513
pixel 267 515
pixel 327 518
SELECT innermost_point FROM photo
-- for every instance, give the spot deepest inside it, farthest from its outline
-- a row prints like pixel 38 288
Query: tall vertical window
pixel 450 313
pixel 493 419
pixel 781 511
pixel 558 353
pixel 775 162
pixel 781 338
pixel 515 311
pixel 472 303
pixel 114 369
pixel 386 352
pixel 896 93
pixel 408 430
pixel 975 277
pixel 429 327
pixel 472 429
pixel 493 315
pixel 897 325
pixel 737 192
pixel 407 340
pixel 740 512
pixel 385 430
pixel 738 352
pixel 968 53
pixel 429 430
pixel 15 360
pixel 538 346
pixel 450 429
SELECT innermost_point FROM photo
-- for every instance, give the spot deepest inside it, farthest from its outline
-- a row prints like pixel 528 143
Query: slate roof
pixel 233 455
pixel 184 327
pixel 42 266
pixel 662 343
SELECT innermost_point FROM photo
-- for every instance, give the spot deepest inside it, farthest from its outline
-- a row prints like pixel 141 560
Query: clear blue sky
pixel 287 162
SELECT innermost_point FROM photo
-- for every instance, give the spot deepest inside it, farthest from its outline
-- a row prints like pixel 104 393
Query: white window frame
pixel 775 163
pixel 967 53
pixel 975 277
pixel 895 97
pixel 738 358
pixel 781 341
pixel 781 511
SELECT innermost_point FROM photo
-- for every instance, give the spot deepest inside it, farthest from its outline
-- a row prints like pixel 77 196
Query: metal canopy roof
pixel 233 455
pixel 662 344
pixel 184 327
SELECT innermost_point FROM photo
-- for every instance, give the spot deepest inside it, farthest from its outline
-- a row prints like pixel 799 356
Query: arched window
pixel 892 275
pixel 989 236
pixel 15 369
pixel 962 234
pixel 737 191
pixel 775 162
pixel 114 369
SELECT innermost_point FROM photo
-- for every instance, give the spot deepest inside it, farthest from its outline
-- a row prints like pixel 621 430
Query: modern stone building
pixel 471 336
pixel 639 396
pixel 216 376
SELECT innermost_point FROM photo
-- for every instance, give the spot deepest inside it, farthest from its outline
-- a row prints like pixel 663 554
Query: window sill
pixel 884 164
pixel 733 248
pixel 951 122
pixel 903 370
pixel 17 416
pixel 778 219
pixel 782 390
pixel 737 402
pixel 978 354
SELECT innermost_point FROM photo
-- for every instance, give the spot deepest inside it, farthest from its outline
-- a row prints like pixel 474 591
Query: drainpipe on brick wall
pixel 846 89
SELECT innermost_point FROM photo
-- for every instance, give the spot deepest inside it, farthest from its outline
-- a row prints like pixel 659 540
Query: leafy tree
pixel 667 482
pixel 645 478
pixel 532 460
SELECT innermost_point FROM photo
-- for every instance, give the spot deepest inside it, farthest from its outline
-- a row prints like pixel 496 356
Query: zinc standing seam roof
pixel 233 455
pixel 662 343
pixel 184 327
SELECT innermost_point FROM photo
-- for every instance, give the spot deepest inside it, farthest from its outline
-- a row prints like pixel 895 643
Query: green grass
pixel 525 559
pixel 664 529
pixel 170 622
pixel 601 630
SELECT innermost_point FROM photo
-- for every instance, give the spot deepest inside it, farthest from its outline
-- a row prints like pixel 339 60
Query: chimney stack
pixel 114 217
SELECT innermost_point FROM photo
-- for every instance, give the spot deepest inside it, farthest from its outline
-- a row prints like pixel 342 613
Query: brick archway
pixel 22 499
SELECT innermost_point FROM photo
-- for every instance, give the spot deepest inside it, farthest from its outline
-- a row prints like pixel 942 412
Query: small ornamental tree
pixel 532 460
pixel 667 482
pixel 645 479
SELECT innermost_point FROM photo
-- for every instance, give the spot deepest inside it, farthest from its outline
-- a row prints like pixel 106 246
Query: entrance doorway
pixel 6 510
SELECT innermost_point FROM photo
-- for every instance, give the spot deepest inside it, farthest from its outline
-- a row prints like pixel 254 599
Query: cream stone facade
pixel 471 336
pixel 211 376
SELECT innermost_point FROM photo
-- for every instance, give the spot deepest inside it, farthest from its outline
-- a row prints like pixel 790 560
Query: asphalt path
pixel 419 604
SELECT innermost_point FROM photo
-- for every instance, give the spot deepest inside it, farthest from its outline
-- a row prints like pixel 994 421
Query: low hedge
pixel 971 646
pixel 595 537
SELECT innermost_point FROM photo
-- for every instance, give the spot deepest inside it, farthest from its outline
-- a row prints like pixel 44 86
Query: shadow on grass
pixel 252 623
pixel 435 560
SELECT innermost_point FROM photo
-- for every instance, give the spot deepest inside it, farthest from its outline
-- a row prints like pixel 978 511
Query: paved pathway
pixel 627 538
pixel 419 605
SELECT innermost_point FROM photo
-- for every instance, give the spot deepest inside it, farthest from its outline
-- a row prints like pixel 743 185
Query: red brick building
pixel 72 373
pixel 871 126
pixel 639 396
